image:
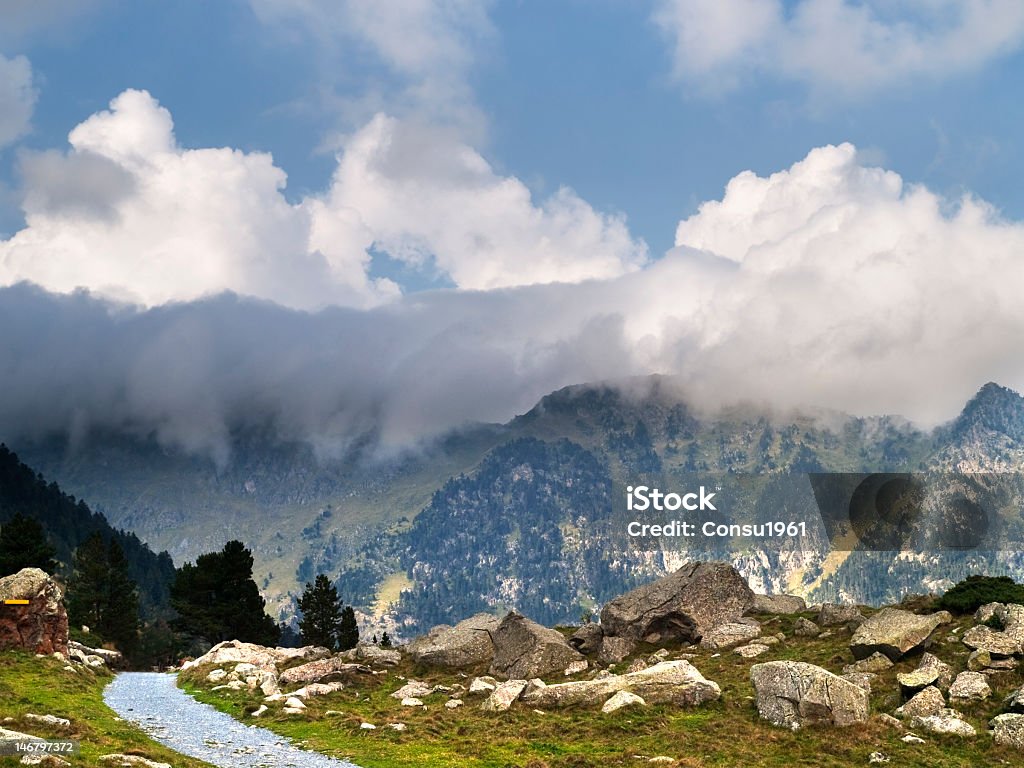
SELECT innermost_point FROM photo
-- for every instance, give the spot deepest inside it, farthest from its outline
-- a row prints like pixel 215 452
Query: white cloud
pixel 17 98
pixel 129 214
pixel 836 46
pixel 429 46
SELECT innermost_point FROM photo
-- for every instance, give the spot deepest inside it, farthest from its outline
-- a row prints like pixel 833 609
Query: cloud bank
pixel 130 215
pixel 828 284
pixel 838 47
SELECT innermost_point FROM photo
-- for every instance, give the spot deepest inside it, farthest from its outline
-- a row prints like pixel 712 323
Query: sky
pixel 340 216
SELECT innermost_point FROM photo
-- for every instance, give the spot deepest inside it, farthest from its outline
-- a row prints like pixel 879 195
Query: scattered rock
pixel 877 758
pixel 237 652
pixel 132 761
pixel 680 607
pixel 891 721
pixel 912 738
pixel 216 675
pixel 793 694
pixel 453 704
pixel 334 669
pixel 373 654
pixel 51 720
pixel 41 626
pixel 482 685
pixel 751 651
pixel 895 633
pixel 912 682
pixel 413 689
pixel 587 639
pixel 945 672
pixel 259 712
pixel 944 722
pixel 368 726
pixel 48 761
pixel 728 635
pixel 525 649
pixel 615 649
pixel 929 701
pixel 1008 730
pixel 398 726
pixel 502 697
pixel 835 614
pixel 467 644
pixel 620 700
pixel 970 686
pixel 805 628
pixel 318 689
pixel 988 612
pixel 293 702
pixel 997 644
pixel 411 701
pixel 777 604
pixel 876 662
pixel 668 682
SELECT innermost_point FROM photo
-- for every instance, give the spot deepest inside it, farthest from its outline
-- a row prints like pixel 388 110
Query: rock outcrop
pixel 467 644
pixel 523 649
pixel 680 607
pixel 334 669
pixel 39 626
pixel 667 682
pixel 895 633
pixel 777 604
pixel 237 652
pixel 792 694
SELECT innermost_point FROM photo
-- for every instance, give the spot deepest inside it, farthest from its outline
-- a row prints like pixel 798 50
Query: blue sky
pixel 824 192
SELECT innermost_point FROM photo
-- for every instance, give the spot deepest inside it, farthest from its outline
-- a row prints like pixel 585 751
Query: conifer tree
pixel 348 631
pixel 23 544
pixel 321 614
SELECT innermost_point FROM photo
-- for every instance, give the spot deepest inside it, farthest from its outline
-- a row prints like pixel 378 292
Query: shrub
pixel 975 591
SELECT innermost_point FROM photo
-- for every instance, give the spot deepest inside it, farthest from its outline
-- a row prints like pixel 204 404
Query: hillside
pixel 69 521
pixel 478 518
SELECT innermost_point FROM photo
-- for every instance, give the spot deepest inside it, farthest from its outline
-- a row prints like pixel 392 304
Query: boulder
pixel 112 659
pixel 8 735
pixel 919 679
pixel 945 672
pixel 504 696
pixel 587 639
pixel 680 607
pixel 615 649
pixel 876 662
pixel 970 686
pixel 792 694
pixel 667 682
pixel 621 700
pixel 374 654
pixel 467 644
pixel 482 685
pixel 728 635
pixel 895 633
pixel 1008 730
pixel 413 689
pixel 777 604
pixel 834 614
pixel 237 652
pixel 524 649
pixel 997 644
pixel 928 701
pixel 805 628
pixel 751 651
pixel 334 669
pixel 41 625
pixel 862 679
pixel 946 722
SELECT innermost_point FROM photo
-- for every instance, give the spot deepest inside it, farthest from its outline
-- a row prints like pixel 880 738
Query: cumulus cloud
pixel 17 98
pixel 129 214
pixel 428 48
pixel 829 284
pixel 836 46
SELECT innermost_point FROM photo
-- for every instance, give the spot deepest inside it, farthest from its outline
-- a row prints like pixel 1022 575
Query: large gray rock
pixel 777 604
pixel 997 644
pixel 373 654
pixel 926 702
pixel 41 625
pixel 834 614
pixel 467 644
pixel 680 607
pixel 1008 730
pixel 895 633
pixel 667 682
pixel 615 649
pixel 334 669
pixel 587 639
pixel 792 694
pixel 970 686
pixel 728 635
pixel 504 696
pixel 523 649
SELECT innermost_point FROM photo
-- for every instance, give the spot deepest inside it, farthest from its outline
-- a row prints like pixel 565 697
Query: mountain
pixel 68 522
pixel 483 518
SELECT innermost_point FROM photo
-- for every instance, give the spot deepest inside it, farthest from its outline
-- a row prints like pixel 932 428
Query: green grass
pixel 727 733
pixel 41 686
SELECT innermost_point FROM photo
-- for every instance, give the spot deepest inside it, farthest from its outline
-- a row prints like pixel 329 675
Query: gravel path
pixel 154 702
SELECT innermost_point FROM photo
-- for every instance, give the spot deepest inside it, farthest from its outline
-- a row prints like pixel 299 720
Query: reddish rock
pixel 41 626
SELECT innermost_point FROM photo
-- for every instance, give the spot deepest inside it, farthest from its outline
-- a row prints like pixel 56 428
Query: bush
pixel 975 591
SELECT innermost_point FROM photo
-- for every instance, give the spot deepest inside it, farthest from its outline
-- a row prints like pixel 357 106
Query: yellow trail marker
pixel 15 602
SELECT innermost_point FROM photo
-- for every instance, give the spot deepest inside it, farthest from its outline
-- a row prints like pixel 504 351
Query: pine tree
pixel 385 640
pixel 321 614
pixel 348 630
pixel 121 620
pixel 217 599
pixel 23 544
pixel 87 589
pixel 102 595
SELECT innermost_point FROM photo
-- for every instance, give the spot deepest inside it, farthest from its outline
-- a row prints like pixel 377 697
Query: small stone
pixel 368 726
pixel 620 700
pixel 926 702
pixel 258 712
pixel 398 726
pixel 911 738
pixel 412 701
pixel 946 722
pixel 877 757
pixel 51 720
pixel 806 628
pixel 482 685
pixel 751 650
pixel 294 703
pixel 876 662
pixel 453 704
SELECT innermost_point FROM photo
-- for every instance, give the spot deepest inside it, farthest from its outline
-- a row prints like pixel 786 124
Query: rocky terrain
pixel 670 666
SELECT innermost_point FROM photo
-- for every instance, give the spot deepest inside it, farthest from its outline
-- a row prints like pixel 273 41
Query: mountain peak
pixel 994 408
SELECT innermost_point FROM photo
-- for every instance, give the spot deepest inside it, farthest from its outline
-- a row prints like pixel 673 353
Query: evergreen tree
pixel 217 599
pixel 23 544
pixel 385 640
pixel 321 614
pixel 102 595
pixel 348 629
